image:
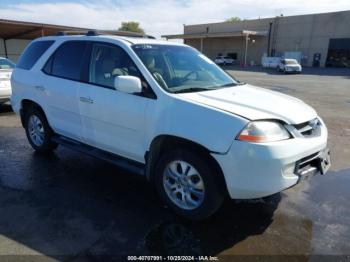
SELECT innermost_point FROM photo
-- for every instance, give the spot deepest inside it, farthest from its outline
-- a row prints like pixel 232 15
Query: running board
pixel 122 162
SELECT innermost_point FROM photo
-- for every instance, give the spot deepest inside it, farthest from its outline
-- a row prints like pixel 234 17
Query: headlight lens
pixel 263 131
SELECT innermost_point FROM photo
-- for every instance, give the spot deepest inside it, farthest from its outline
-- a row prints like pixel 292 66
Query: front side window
pixel 6 64
pixel 67 61
pixel 108 62
pixel 182 69
pixel 32 54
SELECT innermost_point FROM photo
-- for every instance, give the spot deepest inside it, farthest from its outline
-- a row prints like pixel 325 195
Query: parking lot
pixel 71 207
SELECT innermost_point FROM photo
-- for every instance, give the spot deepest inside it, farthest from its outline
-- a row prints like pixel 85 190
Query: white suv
pixel 166 111
pixel 289 66
pixel 224 60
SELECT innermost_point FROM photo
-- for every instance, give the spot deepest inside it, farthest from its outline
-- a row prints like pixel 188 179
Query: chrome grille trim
pixel 310 128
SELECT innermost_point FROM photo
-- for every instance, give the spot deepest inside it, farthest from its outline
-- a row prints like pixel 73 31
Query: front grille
pixel 310 128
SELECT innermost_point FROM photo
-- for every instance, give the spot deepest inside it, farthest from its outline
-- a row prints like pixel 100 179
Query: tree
pixel 131 26
pixel 234 19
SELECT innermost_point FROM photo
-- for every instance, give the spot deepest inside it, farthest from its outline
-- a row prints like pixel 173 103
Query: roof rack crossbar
pixel 93 32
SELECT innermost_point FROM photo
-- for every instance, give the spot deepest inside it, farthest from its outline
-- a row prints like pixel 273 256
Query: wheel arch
pixel 25 105
pixel 163 143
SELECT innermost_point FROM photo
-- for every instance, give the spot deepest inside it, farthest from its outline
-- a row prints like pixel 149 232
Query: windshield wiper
pixel 229 85
pixel 192 89
pixel 233 84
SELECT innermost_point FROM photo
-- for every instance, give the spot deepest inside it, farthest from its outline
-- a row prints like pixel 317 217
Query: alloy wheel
pixel 183 185
pixel 36 130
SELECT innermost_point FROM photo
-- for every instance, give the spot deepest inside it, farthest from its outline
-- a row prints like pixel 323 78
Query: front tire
pixel 188 184
pixel 38 131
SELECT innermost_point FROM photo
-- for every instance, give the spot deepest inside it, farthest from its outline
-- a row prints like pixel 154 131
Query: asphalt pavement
pixel 71 207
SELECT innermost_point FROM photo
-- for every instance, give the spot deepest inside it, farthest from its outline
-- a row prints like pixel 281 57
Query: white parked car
pixel 289 66
pixel 6 67
pixel 224 60
pixel 166 111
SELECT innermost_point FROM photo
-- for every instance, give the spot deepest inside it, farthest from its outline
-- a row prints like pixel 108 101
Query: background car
pixel 289 66
pixel 223 60
pixel 6 68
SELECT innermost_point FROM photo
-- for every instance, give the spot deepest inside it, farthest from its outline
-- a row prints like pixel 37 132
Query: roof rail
pixel 93 32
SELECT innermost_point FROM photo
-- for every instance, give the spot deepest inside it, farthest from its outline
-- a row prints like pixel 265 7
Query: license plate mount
pixel 325 161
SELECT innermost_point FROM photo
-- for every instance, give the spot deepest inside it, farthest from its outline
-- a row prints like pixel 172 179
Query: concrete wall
pixel 213 46
pixel 15 48
pixel 308 34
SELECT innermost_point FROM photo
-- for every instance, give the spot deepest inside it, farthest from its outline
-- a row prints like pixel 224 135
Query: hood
pixel 255 103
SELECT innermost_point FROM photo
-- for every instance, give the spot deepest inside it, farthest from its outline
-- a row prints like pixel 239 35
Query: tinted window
pixel 6 64
pixel 32 54
pixel 108 62
pixel 48 66
pixel 67 60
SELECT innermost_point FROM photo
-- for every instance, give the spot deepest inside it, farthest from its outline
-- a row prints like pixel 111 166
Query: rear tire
pixel 38 131
pixel 188 184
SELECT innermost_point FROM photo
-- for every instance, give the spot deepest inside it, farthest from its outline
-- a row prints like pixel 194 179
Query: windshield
pixel 6 64
pixel 291 62
pixel 180 69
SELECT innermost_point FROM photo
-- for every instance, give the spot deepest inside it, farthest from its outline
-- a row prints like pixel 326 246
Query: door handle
pixel 40 88
pixel 86 100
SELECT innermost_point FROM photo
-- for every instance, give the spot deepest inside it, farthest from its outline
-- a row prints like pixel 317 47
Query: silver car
pixel 6 67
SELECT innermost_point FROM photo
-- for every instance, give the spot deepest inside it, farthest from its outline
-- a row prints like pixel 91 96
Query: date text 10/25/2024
pixel 172 258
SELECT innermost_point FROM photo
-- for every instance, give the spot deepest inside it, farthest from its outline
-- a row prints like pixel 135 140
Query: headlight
pixel 263 131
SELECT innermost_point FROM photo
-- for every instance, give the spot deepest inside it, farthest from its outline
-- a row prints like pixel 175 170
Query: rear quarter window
pixel 32 54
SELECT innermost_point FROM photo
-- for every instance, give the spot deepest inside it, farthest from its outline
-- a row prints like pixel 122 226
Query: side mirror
pixel 128 84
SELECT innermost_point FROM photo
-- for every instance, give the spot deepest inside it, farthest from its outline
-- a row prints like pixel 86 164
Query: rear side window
pixel 67 60
pixel 32 54
pixel 6 64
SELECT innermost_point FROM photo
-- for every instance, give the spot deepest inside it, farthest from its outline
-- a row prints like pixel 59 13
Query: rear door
pixel 63 70
pixel 112 120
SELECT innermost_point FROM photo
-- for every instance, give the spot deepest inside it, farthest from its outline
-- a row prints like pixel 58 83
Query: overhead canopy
pixel 225 34
pixel 10 29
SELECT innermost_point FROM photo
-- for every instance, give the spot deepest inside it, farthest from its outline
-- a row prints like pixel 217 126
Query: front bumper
pixel 293 70
pixel 254 170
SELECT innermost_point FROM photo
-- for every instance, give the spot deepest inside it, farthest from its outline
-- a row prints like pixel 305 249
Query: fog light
pixel 288 170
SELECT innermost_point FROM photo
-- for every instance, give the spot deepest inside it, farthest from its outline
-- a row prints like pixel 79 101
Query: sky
pixel 157 17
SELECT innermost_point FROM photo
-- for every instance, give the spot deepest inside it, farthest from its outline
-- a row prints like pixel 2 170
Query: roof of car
pixel 130 40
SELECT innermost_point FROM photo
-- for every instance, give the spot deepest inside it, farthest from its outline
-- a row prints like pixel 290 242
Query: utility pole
pixel 5 47
pixel 269 40
pixel 246 49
